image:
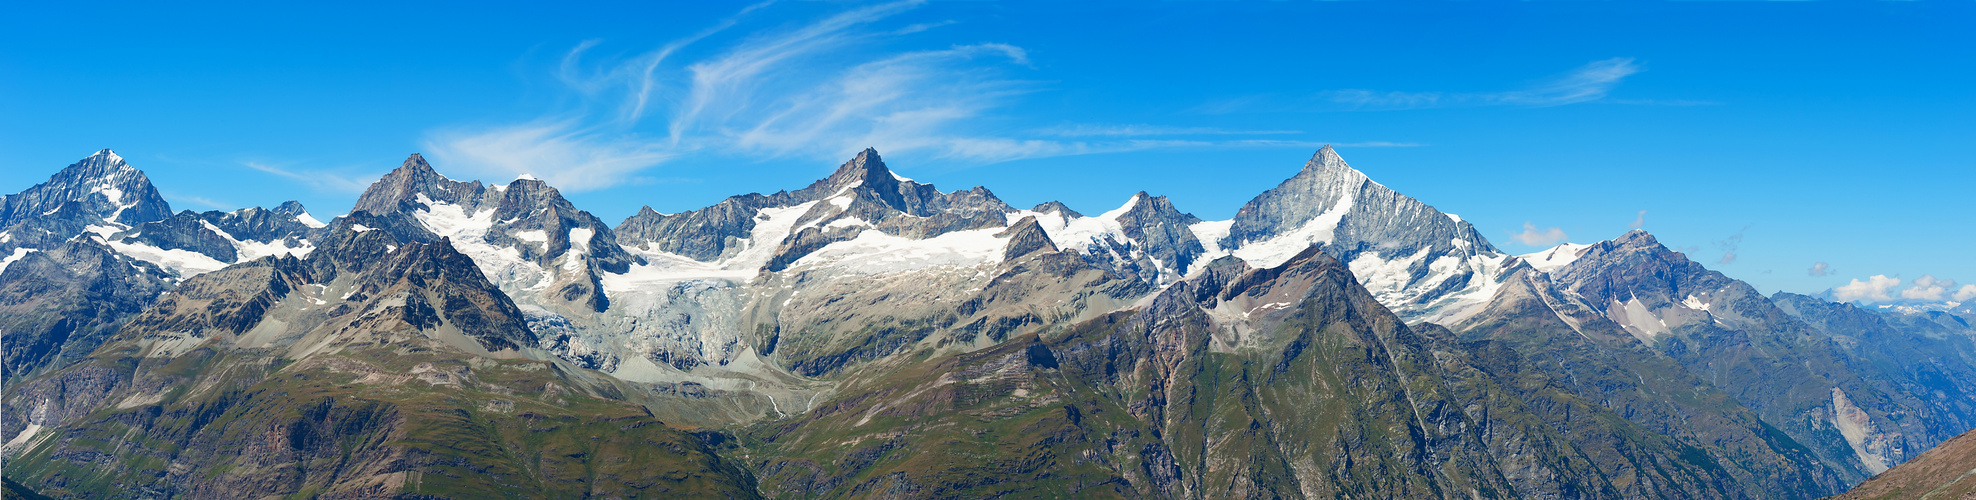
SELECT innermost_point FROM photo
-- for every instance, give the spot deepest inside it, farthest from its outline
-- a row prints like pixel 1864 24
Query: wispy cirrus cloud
pixel 1586 83
pixel 1141 130
pixel 566 153
pixel 199 200
pixel 823 90
pixel 320 180
pixel 1591 82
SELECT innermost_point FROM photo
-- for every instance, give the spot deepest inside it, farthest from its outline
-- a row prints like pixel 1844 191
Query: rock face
pixel 57 305
pixel 400 189
pixel 871 336
pixel 1926 354
pixel 1557 334
pixel 102 185
pixel 1290 382
pixel 1425 264
pixel 63 291
pixel 100 191
pixel 184 231
pixel 862 191
pixel 1741 341
pixel 1640 327
pixel 378 367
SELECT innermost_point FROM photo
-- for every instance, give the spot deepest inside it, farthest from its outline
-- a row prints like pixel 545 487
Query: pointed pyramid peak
pixel 1025 237
pixel 107 155
pixel 1056 207
pixel 102 163
pixel 416 163
pixel 866 166
pixel 1637 237
pixel 1327 158
pixel 866 169
pixel 291 207
pixel 401 187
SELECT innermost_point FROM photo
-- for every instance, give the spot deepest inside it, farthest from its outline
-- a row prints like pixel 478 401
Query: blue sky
pixel 1786 134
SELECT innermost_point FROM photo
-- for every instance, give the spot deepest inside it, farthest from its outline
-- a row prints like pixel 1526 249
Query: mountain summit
pixel 870 335
pixel 102 184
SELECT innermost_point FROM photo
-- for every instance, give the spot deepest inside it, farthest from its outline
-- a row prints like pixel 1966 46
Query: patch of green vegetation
pixel 340 425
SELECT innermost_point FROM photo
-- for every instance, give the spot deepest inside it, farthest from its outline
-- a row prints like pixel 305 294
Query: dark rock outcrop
pixel 57 305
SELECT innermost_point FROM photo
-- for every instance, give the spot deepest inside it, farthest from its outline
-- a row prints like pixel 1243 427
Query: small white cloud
pixel 1874 289
pixel 1967 293
pixel 1820 269
pixel 1538 238
pixel 1928 287
pixel 1638 221
pixel 1729 246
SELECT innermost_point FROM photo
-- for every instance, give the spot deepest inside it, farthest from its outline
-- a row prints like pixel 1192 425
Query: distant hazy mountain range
pixel 871 336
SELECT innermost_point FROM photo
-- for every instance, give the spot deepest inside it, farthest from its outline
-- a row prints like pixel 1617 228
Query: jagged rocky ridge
pixel 96 243
pixel 1799 375
pixel 781 317
pixel 377 367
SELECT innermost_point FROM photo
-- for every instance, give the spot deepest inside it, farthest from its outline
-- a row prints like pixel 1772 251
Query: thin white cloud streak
pixel 1094 130
pixel 201 201
pixel 1641 220
pixel 814 91
pixel 317 179
pixel 729 82
pixel 1538 237
pixel 1590 82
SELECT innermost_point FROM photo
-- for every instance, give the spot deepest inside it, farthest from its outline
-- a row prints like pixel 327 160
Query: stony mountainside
pixel 376 367
pixel 1640 327
pixel 1425 264
pixel 1288 382
pixel 871 336
pixel 59 304
pixel 96 244
pixel 1947 472
pixel 101 186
